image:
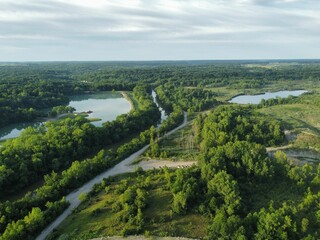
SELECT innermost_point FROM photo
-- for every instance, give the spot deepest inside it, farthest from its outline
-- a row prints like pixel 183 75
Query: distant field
pixel 226 93
pixel 298 116
pixel 303 121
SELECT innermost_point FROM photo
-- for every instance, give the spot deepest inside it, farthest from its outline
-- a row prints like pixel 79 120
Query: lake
pixel 105 106
pixel 255 99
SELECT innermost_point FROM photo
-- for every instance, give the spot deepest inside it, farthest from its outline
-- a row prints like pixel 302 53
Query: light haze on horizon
pixel 98 30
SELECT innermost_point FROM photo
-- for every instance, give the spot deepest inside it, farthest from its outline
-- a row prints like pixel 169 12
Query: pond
pixel 255 99
pixel 105 106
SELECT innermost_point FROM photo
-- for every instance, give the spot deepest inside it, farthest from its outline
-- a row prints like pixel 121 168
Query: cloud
pixel 73 26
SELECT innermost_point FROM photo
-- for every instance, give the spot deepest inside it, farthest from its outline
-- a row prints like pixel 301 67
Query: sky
pixel 115 30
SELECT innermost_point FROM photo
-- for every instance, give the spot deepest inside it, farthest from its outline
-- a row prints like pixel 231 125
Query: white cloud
pixel 76 24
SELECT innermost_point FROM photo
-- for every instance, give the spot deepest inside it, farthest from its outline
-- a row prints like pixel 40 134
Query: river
pixel 164 115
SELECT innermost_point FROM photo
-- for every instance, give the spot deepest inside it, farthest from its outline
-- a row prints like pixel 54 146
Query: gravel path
pixel 122 167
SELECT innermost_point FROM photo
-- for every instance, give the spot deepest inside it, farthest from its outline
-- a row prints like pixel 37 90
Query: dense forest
pixel 232 175
pixel 233 170
pixel 27 88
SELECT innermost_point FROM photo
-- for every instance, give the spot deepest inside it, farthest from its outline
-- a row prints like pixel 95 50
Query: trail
pixel 122 167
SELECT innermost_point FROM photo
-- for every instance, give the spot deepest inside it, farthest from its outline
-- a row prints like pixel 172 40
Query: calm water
pixel 163 112
pixel 105 106
pixel 255 99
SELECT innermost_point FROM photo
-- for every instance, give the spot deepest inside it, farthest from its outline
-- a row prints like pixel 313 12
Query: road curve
pixel 122 167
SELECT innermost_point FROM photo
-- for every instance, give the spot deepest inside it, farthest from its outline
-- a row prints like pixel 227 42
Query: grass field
pixel 95 218
pixel 297 116
pixel 262 194
pixel 180 146
pixel 226 93
pixel 303 121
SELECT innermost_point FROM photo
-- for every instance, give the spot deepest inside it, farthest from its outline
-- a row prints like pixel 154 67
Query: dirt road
pixel 122 167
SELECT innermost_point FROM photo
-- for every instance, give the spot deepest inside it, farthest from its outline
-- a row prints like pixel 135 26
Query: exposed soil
pixel 298 156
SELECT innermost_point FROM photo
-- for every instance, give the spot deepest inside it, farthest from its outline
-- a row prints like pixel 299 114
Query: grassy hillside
pixel 95 216
pixel 302 119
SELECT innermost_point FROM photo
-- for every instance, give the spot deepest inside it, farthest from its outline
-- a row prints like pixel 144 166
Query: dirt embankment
pixel 295 155
pixel 125 95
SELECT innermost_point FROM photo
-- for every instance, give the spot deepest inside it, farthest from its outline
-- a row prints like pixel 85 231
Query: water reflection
pixel 255 99
pixel 163 112
pixel 105 106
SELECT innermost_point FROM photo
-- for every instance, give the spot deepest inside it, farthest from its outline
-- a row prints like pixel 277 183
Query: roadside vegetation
pixel 236 192
pixel 137 203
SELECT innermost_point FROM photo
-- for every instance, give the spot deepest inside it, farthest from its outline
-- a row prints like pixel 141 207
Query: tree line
pixel 234 167
pixel 57 185
pixel 55 145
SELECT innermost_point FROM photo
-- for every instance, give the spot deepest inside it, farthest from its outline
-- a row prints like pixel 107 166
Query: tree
pixel 225 190
pixel 179 202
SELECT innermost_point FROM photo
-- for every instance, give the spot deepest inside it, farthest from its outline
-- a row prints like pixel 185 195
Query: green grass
pixel 158 217
pixel 94 217
pixel 297 116
pixel 94 119
pixel 303 119
pixel 226 93
pixel 162 222
pixel 262 194
pixel 133 100
pixel 180 146
pixel 74 115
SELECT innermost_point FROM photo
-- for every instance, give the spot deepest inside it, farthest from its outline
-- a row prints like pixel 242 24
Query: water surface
pixel 255 99
pixel 164 115
pixel 105 106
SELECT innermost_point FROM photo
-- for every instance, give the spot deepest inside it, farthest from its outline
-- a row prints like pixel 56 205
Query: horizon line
pixel 164 60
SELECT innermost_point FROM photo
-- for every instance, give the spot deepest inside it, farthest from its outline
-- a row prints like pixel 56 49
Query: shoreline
pixel 125 95
pixel 263 93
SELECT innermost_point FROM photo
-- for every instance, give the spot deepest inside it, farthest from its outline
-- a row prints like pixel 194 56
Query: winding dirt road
pixel 122 167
